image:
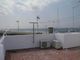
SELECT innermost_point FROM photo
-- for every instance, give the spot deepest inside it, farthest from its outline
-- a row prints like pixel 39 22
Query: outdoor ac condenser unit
pixel 44 44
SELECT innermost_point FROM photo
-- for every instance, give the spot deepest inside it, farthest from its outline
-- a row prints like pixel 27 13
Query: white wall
pixel 2 52
pixel 72 40
pixel 69 40
pixel 18 42
pixel 60 37
pixel 25 41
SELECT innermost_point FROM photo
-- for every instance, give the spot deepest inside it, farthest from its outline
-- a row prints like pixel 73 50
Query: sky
pixel 54 13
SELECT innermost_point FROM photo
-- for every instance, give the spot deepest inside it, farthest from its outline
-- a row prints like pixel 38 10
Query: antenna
pixel 73 12
pixel 58 16
pixel 33 30
pixel 37 23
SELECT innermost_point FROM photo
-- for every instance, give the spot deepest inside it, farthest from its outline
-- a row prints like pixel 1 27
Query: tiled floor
pixel 44 54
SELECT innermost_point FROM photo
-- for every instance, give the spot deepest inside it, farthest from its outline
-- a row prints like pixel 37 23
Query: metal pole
pixel 37 25
pixel 18 25
pixel 33 33
pixel 73 16
pixel 58 16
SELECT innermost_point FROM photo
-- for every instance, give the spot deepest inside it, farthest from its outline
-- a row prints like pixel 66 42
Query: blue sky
pixel 26 11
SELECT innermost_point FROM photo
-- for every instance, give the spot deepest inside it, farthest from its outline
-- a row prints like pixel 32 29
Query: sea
pixel 29 30
pixel 45 30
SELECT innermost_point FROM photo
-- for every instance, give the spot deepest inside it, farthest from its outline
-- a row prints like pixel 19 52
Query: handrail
pixel 3 36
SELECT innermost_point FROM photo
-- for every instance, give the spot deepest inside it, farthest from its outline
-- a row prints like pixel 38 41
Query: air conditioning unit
pixel 44 44
pixel 56 44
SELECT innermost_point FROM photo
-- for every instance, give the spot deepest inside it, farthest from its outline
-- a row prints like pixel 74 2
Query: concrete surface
pixel 44 54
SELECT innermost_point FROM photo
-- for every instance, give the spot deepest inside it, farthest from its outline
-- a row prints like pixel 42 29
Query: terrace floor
pixel 44 54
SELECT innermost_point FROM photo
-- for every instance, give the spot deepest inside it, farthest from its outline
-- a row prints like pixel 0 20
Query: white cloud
pixel 7 6
pixel 33 4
